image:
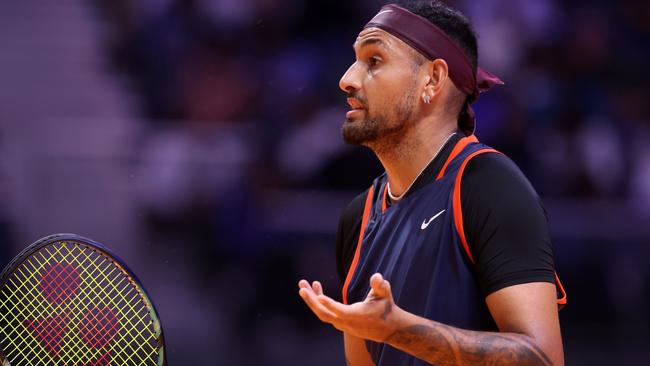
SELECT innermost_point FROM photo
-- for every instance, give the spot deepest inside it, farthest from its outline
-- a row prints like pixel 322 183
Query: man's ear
pixel 437 74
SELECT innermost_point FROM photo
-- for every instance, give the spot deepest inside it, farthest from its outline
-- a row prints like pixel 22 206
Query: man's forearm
pixel 356 353
pixel 441 345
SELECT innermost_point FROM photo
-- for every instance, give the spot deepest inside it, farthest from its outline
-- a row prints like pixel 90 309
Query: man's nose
pixel 350 80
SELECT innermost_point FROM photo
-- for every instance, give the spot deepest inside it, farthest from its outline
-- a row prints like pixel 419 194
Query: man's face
pixel 381 86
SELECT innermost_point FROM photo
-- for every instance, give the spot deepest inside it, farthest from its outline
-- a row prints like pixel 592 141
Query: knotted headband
pixel 433 43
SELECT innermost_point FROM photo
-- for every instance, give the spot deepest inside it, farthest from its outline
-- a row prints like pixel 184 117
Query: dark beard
pixel 379 129
pixel 360 132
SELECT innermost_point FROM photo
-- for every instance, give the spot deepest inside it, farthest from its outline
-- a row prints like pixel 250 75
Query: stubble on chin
pixel 379 133
pixel 359 133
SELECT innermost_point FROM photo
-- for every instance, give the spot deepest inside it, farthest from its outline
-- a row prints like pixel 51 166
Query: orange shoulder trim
pixel 460 145
pixel 458 221
pixel 357 252
pixel 383 198
pixel 561 293
pixel 458 210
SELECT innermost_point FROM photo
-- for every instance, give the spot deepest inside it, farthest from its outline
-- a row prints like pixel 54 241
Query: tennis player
pixel 446 259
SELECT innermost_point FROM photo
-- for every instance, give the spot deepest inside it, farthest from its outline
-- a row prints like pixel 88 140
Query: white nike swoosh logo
pixel 426 223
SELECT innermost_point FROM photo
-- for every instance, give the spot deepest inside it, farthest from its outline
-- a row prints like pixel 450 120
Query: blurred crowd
pixel 573 108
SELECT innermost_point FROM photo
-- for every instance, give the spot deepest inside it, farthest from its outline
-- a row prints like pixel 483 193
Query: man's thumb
pixel 380 286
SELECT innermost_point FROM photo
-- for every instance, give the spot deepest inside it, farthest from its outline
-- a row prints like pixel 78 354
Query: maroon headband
pixel 433 43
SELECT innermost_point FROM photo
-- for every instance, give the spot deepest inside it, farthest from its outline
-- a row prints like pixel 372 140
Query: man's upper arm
pixel 507 231
pixel 347 234
pixel 530 309
pixel 356 353
pixel 505 225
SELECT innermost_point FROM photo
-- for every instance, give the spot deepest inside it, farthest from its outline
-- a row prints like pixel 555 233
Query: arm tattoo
pixel 446 346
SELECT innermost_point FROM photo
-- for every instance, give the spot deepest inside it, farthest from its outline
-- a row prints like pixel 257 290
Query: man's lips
pixel 355 103
pixel 352 113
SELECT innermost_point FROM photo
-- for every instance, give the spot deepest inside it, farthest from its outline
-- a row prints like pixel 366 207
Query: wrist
pixel 397 320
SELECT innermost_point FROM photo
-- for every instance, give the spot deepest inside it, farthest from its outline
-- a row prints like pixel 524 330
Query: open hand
pixel 373 319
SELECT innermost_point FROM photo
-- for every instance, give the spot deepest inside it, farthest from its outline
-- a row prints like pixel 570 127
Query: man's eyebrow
pixel 369 41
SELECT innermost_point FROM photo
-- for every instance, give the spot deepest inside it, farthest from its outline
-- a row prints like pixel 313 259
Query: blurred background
pixel 200 140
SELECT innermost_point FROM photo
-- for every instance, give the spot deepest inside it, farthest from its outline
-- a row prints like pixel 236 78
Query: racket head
pixel 68 300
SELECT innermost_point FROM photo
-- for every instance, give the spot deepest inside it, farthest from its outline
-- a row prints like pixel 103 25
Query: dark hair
pixel 449 20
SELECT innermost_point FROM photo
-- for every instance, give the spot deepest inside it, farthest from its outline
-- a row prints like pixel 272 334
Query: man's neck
pixel 406 160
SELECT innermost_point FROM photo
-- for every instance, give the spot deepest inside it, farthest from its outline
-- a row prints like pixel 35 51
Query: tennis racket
pixel 68 301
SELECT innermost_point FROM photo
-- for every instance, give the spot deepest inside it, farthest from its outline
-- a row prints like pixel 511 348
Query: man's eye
pixel 373 61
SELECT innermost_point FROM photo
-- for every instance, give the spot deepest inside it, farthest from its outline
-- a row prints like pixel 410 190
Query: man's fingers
pixel 380 286
pixel 311 300
pixel 310 294
pixel 315 286
pixel 375 280
pixel 318 288
pixel 332 306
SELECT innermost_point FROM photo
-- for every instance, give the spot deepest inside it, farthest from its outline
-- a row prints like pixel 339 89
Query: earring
pixel 426 99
